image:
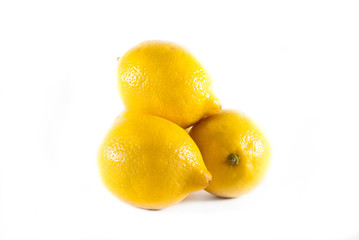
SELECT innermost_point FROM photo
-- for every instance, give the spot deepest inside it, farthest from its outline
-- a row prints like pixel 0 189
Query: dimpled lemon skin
pixel 164 79
pixel 223 136
pixel 150 162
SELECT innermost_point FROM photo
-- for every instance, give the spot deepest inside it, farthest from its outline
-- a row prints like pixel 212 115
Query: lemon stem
pixel 233 159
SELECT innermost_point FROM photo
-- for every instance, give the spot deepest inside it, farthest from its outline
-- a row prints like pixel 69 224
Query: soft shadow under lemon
pixel 203 196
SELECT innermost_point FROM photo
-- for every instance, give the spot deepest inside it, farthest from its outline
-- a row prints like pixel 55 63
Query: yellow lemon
pixel 234 150
pixel 150 162
pixel 164 79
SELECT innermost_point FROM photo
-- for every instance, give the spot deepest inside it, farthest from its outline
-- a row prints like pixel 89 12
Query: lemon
pixel 234 150
pixel 150 162
pixel 164 79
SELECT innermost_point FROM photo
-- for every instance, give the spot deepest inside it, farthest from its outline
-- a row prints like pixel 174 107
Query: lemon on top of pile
pixel 148 160
pixel 164 79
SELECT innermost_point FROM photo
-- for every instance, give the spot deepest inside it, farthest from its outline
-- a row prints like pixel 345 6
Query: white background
pixel 293 66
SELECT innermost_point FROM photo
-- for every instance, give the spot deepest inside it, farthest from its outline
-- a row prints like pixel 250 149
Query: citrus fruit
pixel 150 162
pixel 164 79
pixel 234 150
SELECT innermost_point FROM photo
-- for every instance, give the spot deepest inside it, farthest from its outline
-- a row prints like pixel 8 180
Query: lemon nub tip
pixel 216 106
pixel 208 178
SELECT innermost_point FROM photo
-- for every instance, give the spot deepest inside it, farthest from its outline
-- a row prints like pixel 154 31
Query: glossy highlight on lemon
pixel 150 162
pixel 234 150
pixel 166 80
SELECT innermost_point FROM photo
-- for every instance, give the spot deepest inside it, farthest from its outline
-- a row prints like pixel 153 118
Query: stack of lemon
pixel 151 159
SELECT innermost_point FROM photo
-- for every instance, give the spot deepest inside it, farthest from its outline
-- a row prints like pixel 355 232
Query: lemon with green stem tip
pixel 234 150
